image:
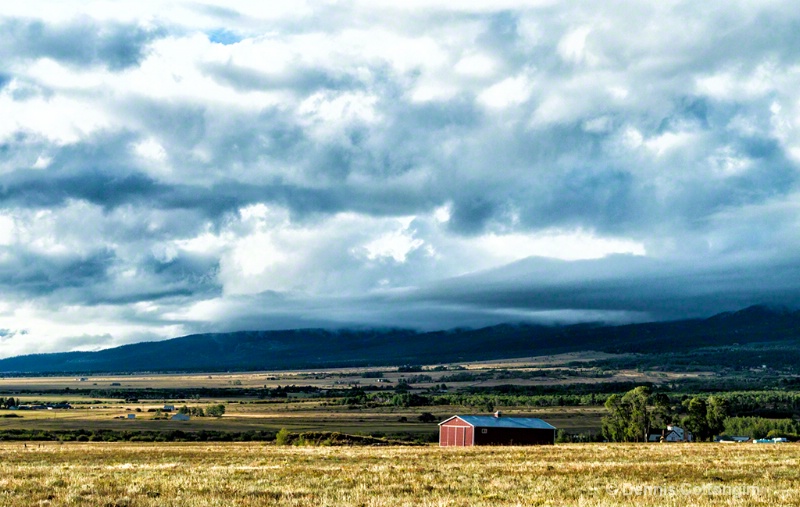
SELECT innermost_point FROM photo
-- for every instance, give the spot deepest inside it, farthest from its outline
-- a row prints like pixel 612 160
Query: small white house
pixel 180 417
pixel 671 434
pixel 676 434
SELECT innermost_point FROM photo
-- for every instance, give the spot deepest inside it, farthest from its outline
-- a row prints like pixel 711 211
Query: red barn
pixel 466 430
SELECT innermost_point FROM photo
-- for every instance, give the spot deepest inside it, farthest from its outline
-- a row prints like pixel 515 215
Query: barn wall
pixel 455 433
pixel 514 436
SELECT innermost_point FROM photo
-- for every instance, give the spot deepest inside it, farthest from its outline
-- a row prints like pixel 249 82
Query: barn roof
pixel 490 421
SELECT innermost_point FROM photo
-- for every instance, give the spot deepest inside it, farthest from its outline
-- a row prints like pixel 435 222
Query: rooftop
pixel 490 421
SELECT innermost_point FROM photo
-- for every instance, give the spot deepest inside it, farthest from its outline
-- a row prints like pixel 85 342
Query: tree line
pixel 633 416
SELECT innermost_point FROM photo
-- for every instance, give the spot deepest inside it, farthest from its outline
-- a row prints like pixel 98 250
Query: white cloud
pixel 61 120
pixel 476 65
pixel 6 230
pixel 395 245
pixel 570 246
pixel 726 162
pixel 328 113
pixel 154 157
pixel 572 47
pixel 151 150
pixel 37 329
pixel 740 84
pixel 511 91
pixel 600 125
pixel 668 141
pixel 42 162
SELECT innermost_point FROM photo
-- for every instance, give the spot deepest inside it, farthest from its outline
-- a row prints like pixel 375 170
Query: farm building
pixel 466 430
pixel 180 417
pixel 672 434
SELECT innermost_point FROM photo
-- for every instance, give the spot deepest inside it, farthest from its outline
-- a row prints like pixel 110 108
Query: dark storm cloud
pixel 563 192
pixel 81 42
pixel 656 290
pixel 35 275
pixel 194 271
pixel 110 191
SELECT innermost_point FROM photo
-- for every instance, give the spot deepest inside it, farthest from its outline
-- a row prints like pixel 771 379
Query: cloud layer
pixel 194 167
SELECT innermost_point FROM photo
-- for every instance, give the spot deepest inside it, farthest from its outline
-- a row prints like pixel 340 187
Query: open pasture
pixel 306 415
pixel 101 474
pixel 333 378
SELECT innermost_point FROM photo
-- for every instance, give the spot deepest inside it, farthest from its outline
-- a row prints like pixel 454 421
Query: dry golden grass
pixel 257 474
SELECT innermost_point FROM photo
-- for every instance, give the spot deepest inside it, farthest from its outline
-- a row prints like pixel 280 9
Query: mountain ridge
pixel 318 348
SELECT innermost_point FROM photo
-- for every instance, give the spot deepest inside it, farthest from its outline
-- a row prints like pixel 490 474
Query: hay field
pixel 332 378
pixel 258 474
pixel 308 415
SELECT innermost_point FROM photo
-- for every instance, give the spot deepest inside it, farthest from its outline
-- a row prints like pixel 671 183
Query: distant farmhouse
pixel 47 406
pixel 180 417
pixel 468 430
pixel 725 439
pixel 672 434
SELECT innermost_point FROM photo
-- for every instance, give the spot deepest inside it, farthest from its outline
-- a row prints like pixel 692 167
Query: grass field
pixel 339 377
pixel 100 400
pixel 100 474
pixel 299 416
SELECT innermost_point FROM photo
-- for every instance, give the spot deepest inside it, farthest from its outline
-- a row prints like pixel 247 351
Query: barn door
pixel 461 435
pixel 455 435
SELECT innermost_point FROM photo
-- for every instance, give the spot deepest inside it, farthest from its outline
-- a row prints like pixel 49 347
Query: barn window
pixel 485 430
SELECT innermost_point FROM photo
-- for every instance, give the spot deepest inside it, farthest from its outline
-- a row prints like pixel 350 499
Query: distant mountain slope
pixel 313 348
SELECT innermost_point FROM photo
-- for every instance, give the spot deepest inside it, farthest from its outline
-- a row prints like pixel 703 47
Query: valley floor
pixel 117 474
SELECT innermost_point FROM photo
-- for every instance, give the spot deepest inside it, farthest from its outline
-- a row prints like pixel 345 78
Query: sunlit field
pixel 102 474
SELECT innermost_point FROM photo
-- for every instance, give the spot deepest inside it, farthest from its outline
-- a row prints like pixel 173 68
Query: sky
pixel 186 167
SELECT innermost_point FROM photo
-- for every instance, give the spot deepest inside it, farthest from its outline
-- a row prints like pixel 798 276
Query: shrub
pixel 427 417
pixel 283 437
pixel 216 410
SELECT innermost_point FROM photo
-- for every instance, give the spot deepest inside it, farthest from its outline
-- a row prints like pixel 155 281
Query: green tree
pixel 283 437
pixel 638 418
pixel 717 410
pixel 216 410
pixel 614 424
pixel 696 419
pixel 663 413
pixel 629 416
pixel 427 417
